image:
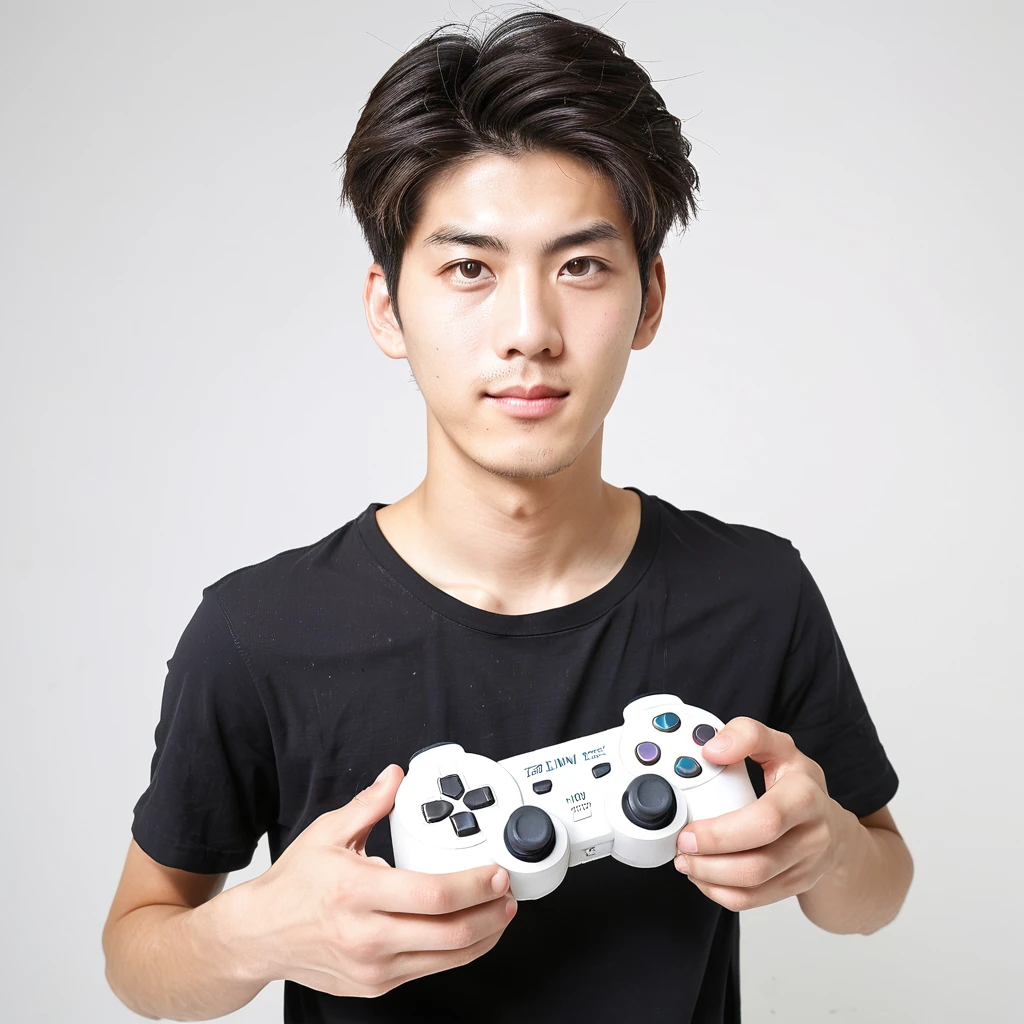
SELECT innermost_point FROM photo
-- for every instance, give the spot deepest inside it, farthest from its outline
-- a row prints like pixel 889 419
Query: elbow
pixel 110 971
pixel 902 888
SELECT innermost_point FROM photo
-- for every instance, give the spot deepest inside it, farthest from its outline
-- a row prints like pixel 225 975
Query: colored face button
pixel 687 767
pixel 647 753
pixel 703 733
pixel 668 722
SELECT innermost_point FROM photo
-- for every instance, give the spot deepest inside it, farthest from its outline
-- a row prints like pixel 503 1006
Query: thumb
pixel 351 823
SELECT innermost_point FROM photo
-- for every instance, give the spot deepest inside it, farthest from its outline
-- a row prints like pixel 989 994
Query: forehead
pixel 522 198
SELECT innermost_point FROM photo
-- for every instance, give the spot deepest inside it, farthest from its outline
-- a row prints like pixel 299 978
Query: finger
pixel 751 868
pixel 397 890
pixel 350 825
pixel 464 928
pixel 795 798
pixel 783 885
pixel 419 964
pixel 746 737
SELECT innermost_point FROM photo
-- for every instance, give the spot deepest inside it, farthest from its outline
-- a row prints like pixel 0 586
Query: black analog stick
pixel 649 801
pixel 529 834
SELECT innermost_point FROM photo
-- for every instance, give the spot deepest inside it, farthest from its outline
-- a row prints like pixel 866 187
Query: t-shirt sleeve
pixel 213 780
pixel 820 705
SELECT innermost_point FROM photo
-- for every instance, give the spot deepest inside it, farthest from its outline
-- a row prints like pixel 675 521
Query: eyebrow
pixel 452 234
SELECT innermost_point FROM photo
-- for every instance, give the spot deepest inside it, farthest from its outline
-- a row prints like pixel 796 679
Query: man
pixel 515 192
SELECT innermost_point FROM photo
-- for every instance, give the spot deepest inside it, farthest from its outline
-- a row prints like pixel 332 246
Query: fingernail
pixel 682 864
pixel 510 906
pixel 718 743
pixel 499 883
pixel 382 774
pixel 687 842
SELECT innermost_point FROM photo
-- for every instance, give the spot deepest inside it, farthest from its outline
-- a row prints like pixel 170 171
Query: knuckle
pixel 736 900
pixel 773 823
pixel 458 936
pixel 432 898
pixel 364 946
pixel 374 976
pixel 754 874
pixel 807 795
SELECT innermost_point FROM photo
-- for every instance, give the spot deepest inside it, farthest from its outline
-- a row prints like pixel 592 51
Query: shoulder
pixel 732 552
pixel 260 600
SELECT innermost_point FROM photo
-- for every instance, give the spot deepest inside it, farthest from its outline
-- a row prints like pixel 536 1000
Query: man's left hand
pixel 777 846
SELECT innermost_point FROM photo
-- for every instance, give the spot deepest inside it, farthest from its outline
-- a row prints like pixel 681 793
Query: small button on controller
pixel 601 770
pixel 464 823
pixel 544 786
pixel 451 786
pixel 668 722
pixel 687 768
pixel 477 798
pixel 436 810
pixel 703 733
pixel 648 753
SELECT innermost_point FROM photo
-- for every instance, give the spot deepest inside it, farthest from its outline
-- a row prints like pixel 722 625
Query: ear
pixel 648 326
pixel 380 316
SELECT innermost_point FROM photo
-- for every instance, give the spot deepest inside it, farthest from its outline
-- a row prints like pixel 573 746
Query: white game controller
pixel 625 792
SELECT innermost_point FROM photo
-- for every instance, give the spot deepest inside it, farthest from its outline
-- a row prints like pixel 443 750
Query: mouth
pixel 532 393
pixel 527 403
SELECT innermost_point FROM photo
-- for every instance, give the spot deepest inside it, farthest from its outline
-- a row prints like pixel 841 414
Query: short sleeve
pixel 213 780
pixel 820 705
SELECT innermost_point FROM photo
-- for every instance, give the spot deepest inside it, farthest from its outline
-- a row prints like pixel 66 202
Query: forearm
pixel 867 883
pixel 185 964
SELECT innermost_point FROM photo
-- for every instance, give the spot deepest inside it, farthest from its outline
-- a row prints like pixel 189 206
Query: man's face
pixel 481 317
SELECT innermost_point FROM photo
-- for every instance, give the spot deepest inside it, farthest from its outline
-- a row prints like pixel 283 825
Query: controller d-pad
pixel 464 823
pixel 477 798
pixel 436 810
pixel 703 733
pixel 451 786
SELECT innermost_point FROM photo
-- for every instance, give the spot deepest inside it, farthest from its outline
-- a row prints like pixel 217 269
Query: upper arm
pixel 145 882
pixel 880 819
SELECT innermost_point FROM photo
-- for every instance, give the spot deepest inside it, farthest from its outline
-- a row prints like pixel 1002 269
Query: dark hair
pixel 535 81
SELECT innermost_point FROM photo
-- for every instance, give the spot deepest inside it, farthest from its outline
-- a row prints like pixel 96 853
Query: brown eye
pixel 471 264
pixel 580 259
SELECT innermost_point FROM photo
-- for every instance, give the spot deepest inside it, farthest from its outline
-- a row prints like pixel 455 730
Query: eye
pixel 470 270
pixel 587 261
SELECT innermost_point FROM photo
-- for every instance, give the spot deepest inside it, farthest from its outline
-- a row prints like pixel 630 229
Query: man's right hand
pixel 333 919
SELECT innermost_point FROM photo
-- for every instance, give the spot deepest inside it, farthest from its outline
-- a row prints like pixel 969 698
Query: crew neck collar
pixel 550 620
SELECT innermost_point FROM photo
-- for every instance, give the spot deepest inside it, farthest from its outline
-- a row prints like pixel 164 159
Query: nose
pixel 526 321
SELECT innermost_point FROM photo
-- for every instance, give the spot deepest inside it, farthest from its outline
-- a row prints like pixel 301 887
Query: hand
pixel 333 919
pixel 778 846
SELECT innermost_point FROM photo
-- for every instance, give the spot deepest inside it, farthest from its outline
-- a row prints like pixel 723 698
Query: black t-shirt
pixel 300 678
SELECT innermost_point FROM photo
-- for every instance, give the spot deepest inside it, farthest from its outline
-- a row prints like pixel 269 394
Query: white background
pixel 188 386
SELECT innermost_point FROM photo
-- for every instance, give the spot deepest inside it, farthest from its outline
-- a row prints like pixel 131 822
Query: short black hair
pixel 534 81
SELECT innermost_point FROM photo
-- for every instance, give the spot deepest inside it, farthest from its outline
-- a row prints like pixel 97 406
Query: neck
pixel 513 544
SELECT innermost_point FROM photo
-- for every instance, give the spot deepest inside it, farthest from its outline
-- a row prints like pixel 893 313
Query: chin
pixel 527 465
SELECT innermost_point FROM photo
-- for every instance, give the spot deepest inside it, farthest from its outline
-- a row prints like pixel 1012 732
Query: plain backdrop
pixel 188 386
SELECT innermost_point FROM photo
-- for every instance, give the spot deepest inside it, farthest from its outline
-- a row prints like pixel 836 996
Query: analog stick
pixel 529 834
pixel 649 801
